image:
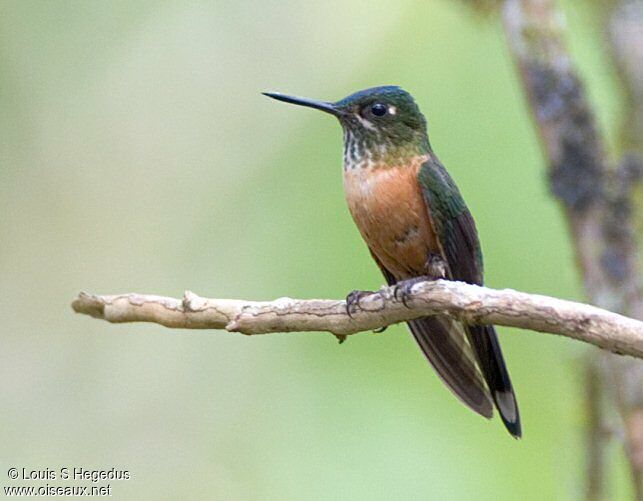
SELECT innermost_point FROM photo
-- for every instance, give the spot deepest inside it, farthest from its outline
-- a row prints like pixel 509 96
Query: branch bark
pixel 471 303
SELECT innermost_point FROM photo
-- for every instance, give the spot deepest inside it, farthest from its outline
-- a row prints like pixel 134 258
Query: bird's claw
pixel 352 305
pixel 353 299
pixel 402 290
pixel 436 267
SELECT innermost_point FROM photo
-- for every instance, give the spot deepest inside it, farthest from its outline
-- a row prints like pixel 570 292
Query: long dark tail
pixel 485 344
pixel 443 341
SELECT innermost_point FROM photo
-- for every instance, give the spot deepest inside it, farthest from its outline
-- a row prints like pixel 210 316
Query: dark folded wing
pixel 458 238
pixel 443 342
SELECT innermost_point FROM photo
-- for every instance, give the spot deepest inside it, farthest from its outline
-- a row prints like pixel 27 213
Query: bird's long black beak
pixel 302 101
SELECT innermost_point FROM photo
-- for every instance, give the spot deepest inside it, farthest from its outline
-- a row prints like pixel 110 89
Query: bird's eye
pixel 379 109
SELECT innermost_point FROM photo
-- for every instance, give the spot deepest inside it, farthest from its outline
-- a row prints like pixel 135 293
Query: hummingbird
pixel 417 227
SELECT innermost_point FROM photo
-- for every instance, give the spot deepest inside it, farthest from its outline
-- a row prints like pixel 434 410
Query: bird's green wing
pixel 460 246
pixel 453 223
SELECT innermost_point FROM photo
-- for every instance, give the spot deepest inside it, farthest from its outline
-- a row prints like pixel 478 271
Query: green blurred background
pixel 137 154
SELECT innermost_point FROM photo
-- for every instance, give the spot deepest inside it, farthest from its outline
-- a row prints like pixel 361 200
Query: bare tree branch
pixel 594 192
pixel 566 125
pixel 626 37
pixel 470 303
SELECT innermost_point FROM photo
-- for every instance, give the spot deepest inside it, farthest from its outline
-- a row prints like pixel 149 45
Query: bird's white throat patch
pixel 358 156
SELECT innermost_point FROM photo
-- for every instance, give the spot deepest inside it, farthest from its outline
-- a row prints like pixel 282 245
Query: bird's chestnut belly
pixel 389 210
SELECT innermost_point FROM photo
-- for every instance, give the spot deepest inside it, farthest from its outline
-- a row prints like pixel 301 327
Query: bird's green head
pixel 381 124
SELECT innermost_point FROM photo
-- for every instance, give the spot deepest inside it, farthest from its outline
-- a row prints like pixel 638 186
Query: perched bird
pixel 418 227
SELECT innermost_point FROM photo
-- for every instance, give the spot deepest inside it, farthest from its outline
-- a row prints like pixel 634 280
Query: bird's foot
pixel 436 267
pixel 353 299
pixel 352 305
pixel 402 290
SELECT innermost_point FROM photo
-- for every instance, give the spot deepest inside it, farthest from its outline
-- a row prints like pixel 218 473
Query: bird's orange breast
pixel 391 214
